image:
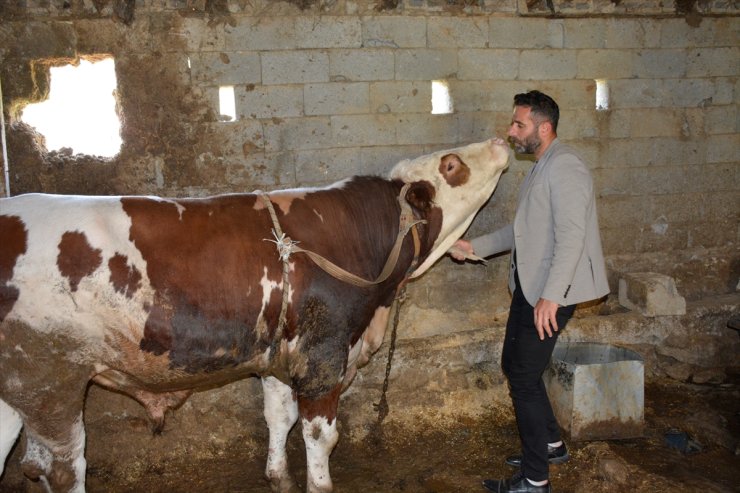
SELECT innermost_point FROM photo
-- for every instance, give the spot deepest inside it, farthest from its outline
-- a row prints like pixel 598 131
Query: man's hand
pixel 461 250
pixel 544 317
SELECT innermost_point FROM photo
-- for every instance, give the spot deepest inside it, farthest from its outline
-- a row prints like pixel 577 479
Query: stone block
pixel 651 294
pixel 660 63
pixel 488 64
pixel 579 124
pixel 559 64
pixel 656 122
pixel 288 67
pixel 361 65
pixel 604 64
pixel 459 32
pixel 678 33
pixel 269 101
pixel 364 130
pixel 522 33
pixel 675 151
pixel 569 93
pixel 579 34
pixel 328 32
pixel 476 126
pixel 723 148
pixel 336 98
pixel 484 95
pixel 261 33
pixel 401 97
pixel 329 165
pixel 427 129
pixel 426 64
pixel 635 93
pixel 394 32
pixel 721 120
pixel 297 134
pixel 632 33
pixel 226 68
pixel 713 62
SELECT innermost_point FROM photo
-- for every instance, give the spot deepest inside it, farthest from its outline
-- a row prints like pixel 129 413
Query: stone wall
pixel 344 88
pixel 325 90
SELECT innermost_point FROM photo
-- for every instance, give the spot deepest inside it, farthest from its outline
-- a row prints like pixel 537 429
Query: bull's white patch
pixel 37 453
pixel 180 208
pixel 13 382
pixel 42 452
pixel 51 305
pixel 10 427
pixel 76 453
pixel 267 288
pixel 320 438
pixel 281 413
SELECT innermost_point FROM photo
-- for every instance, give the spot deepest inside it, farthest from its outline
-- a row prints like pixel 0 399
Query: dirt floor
pixel 457 459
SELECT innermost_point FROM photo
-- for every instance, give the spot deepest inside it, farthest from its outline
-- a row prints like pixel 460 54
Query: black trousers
pixel 524 359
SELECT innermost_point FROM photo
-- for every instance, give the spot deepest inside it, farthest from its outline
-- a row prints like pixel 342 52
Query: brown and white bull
pixel 159 297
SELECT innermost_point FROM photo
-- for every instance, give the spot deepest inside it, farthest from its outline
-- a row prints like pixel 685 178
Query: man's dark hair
pixel 541 105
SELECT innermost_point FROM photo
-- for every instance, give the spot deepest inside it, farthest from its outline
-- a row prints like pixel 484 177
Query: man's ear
pixel 420 195
pixel 545 128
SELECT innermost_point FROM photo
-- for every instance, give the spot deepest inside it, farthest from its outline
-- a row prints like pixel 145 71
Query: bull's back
pixel 134 277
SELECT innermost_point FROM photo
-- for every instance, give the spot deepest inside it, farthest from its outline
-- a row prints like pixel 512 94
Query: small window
pixel 80 112
pixel 602 95
pixel 441 100
pixel 226 104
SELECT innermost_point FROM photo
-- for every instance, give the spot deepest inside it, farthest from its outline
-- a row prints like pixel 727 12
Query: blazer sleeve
pixel 501 240
pixel 571 195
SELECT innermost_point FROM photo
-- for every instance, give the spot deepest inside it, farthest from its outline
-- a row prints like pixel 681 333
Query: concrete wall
pixel 325 90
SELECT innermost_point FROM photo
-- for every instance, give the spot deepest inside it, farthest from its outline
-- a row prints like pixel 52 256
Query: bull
pixel 159 297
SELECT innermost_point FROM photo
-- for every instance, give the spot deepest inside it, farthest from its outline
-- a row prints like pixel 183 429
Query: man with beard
pixel 556 262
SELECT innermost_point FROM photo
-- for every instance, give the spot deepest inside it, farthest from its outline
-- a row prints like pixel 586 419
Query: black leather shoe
pixel 517 484
pixel 555 455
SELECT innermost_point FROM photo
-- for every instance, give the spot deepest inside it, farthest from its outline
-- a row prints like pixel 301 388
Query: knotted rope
pixel 286 247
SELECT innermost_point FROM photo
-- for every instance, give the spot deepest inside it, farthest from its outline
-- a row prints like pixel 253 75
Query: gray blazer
pixel 555 233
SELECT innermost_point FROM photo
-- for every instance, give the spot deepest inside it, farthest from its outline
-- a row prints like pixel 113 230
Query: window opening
pixel 602 95
pixel 226 104
pixel 441 100
pixel 80 112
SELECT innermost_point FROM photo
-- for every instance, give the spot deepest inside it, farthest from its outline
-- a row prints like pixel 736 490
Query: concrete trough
pixel 597 390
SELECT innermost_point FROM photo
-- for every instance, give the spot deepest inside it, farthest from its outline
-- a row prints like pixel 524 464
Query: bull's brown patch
pixel 454 170
pixel 324 406
pixel 13 245
pixel 77 258
pixel 205 259
pixel 126 279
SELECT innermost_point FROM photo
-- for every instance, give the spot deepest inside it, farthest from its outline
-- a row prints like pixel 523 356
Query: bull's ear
pixel 420 195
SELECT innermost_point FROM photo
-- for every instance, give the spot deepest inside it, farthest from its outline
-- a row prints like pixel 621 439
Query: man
pixel 556 263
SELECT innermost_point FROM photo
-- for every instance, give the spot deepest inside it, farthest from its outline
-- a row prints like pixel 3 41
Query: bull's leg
pixel 319 423
pixel 10 427
pixel 281 413
pixel 57 458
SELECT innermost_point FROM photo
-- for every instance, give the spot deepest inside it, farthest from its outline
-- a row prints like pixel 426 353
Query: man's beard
pixel 527 146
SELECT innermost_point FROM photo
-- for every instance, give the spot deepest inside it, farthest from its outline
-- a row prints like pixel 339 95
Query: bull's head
pixel 463 179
